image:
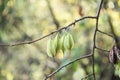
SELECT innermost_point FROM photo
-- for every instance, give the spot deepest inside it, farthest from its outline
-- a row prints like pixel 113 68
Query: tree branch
pixel 102 49
pixel 116 38
pixel 94 37
pixel 87 76
pixel 105 33
pixel 57 70
pixel 52 14
pixel 33 41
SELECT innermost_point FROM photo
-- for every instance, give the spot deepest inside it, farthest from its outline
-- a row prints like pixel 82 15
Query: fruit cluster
pixel 64 42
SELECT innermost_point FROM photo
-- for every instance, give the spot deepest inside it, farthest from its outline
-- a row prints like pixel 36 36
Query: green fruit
pixel 57 42
pixel 51 48
pixel 62 41
pixel 69 42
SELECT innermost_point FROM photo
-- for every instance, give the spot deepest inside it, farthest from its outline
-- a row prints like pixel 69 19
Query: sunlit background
pixel 26 20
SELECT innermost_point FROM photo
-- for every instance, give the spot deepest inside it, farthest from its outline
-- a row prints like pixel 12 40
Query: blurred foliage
pixel 25 20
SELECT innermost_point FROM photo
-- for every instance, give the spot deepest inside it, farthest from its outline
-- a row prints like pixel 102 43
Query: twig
pixel 30 42
pixel 116 38
pixel 102 49
pixel 57 70
pixel 105 33
pixel 52 14
pixel 94 38
pixel 87 76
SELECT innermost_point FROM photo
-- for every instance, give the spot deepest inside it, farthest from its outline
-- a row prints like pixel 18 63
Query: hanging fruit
pixel 51 48
pixel 69 42
pixel 57 42
pixel 62 41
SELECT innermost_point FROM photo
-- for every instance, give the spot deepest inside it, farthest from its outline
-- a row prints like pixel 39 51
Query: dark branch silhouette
pixel 53 15
pixel 35 40
pixel 94 38
pixel 57 70
pixel 116 38
pixel 89 75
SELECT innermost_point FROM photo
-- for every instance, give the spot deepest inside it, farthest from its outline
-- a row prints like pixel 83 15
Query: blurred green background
pixel 26 20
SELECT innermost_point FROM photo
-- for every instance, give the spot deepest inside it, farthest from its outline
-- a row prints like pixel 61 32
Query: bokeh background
pixel 26 20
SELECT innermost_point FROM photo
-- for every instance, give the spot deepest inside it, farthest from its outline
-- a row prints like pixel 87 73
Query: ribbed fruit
pixel 57 42
pixel 69 42
pixel 62 41
pixel 51 48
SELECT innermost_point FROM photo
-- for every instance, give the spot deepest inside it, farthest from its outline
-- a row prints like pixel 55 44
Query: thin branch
pixel 89 75
pixel 57 70
pixel 52 14
pixel 105 33
pixel 94 38
pixel 112 29
pixel 102 49
pixel 116 38
pixel 30 42
pixel 99 8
